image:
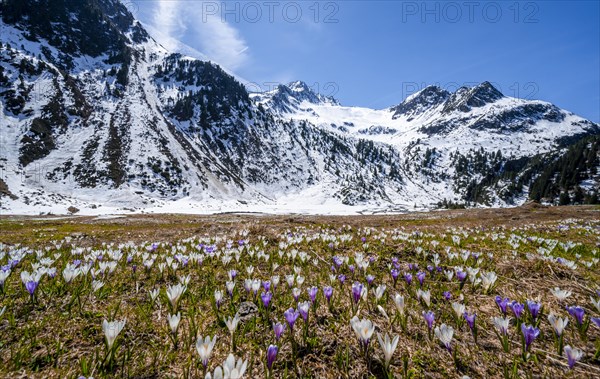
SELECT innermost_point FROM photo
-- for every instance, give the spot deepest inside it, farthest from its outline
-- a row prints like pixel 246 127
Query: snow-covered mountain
pixel 97 115
pixel 290 98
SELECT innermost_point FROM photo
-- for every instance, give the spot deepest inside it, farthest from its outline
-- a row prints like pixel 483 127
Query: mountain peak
pixel 421 101
pixel 298 86
pixel 286 98
pixel 486 92
pixel 466 98
pixel 310 93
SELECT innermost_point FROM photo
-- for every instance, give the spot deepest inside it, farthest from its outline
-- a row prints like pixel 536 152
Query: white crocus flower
pixel 459 309
pixel 232 323
pixel 69 274
pixel 449 274
pixel 560 295
pixel 229 286
pixel 379 291
pixel 174 322
pixel 488 280
pixel 174 293
pixel 595 303
pixel 256 285
pixel 96 285
pixel 382 311
pixel 185 280
pixel 248 284
pixel 275 280
pixel 388 346
pixel 112 330
pixel 400 305
pixel 290 280
pixel 153 294
pixel 444 333
pixel 501 324
pixel 558 324
pixel 362 328
pixel 3 276
pixel 233 369
pixel 205 348
pixel 218 296
pixel 425 296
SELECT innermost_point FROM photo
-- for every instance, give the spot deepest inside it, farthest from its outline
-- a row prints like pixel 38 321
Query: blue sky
pixel 375 53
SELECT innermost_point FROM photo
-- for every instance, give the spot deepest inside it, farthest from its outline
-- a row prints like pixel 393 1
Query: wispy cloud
pixel 185 21
pixel 166 19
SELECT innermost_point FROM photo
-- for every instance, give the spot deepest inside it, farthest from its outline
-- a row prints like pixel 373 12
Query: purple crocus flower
pixel 31 286
pixel 395 273
pixel 303 310
pixel 370 279
pixel 278 329
pixel 266 285
pixel 271 355
pixel 291 315
pixel 461 275
pixel 395 262
pixel 342 278
pixel 421 277
pixel 363 239
pixel 357 289
pixel 129 258
pixel 429 268
pixel 517 309
pixel 502 303
pixel 470 319
pixel 578 313
pixel 534 308
pixel 351 268
pixel 328 291
pixel 134 268
pixel 413 266
pixel 429 318
pixel 408 278
pixel 447 295
pixel 530 333
pixel 312 294
pixel 337 261
pixel 266 298
pixel 573 355
pixel 596 320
